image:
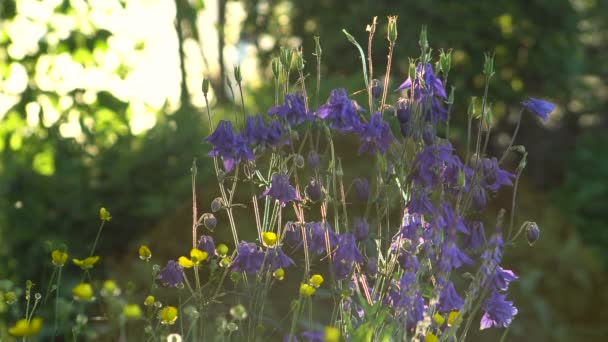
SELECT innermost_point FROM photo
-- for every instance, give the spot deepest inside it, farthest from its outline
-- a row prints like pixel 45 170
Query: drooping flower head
pixel 276 258
pixel 293 110
pixel 427 89
pixel 318 234
pixel 280 189
pixel 249 258
pixel 361 228
pixel 172 275
pixel 449 300
pixel 361 189
pixel 231 147
pixel 254 131
pixel 341 112
pixel 375 136
pixel 498 311
pixel 206 244
pixel 541 108
pixel 345 255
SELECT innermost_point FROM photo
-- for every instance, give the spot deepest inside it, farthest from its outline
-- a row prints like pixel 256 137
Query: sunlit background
pixel 101 105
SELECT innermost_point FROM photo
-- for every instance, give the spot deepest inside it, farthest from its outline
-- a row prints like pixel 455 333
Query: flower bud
pixel 488 65
pixel 237 74
pixel 423 41
pixel 104 215
pixel 269 238
pixel 392 29
pixel 205 86
pixel 472 111
pixel 376 88
pixel 313 190
pixel 217 204
pixel 83 292
pixel 168 315
pixel 299 161
pixel 238 312
pixel 279 274
pixel 276 68
pixel 532 233
pixel 316 280
pixel 144 253
pixel 307 290
pixel 286 57
pixel 221 250
pixel 445 61
pixel 131 311
pixel 300 60
pixel 209 221
pixel 361 229
pixel 149 301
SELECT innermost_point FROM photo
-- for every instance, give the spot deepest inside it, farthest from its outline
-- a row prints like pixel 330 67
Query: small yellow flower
pixel 145 253
pixel 452 317
pixel 439 320
pixel 110 288
pixel 221 250
pixel 306 290
pixel 430 337
pixel 10 297
pixel 225 262
pixel 104 214
pixel 131 311
pixel 332 334
pixel 86 263
pixel 269 238
pixel 279 274
pixel 316 280
pixel 196 257
pixel 83 292
pixel 168 315
pixel 149 301
pixel 23 328
pixel 59 257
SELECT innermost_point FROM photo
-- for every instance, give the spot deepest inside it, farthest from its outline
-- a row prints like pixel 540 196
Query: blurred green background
pixel 100 105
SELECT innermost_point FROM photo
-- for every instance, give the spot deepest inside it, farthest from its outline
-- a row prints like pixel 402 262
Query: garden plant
pixel 398 250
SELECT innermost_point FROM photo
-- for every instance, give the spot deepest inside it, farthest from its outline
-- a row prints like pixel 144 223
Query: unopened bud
pixel 300 60
pixel 532 233
pixel 217 204
pixel 209 221
pixel 423 42
pixel 276 68
pixel 237 74
pixel 445 61
pixel 488 65
pixel 299 161
pixel 472 111
pixel 286 57
pixel 376 88
pixel 205 86
pixel 392 29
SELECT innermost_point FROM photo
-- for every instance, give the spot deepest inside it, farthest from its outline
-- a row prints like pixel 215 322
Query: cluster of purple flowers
pixel 439 235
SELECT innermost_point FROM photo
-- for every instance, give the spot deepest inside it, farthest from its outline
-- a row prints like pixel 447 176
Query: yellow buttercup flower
pixel 316 280
pixel 149 301
pixel 110 288
pixel 430 337
pixel 196 257
pixel 23 328
pixel 104 215
pixel 87 262
pixel 452 317
pixel 83 292
pixel 168 315
pixel 269 238
pixel 59 257
pixel 131 311
pixel 332 334
pixel 145 253
pixel 10 297
pixel 307 290
pixel 439 320
pixel 279 274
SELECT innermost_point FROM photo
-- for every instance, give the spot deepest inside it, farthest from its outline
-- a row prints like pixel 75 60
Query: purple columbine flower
pixel 345 255
pixel 275 258
pixel 361 189
pixel 477 238
pixel 314 336
pixel 493 176
pixel 313 189
pixel 315 234
pixel 292 234
pixel 280 189
pixel 426 84
pixel 206 244
pixel 449 300
pixel 375 136
pixel 361 228
pixel 254 131
pixel 293 110
pixel 172 275
pixel 341 112
pixel 372 266
pixel 452 257
pixel 436 163
pixel 232 148
pixel 498 311
pixel 539 107
pixel 249 258
pixel 502 278
pixel 420 204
